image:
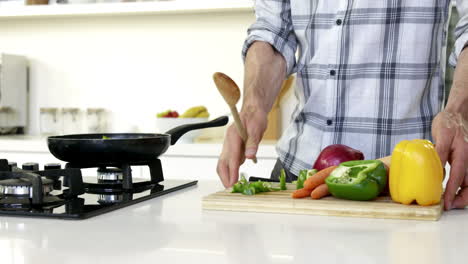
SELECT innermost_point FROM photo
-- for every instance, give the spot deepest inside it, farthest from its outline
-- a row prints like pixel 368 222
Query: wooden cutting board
pixel 281 202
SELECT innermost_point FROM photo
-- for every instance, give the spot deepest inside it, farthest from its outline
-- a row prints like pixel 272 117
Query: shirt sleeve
pixel 273 25
pixel 461 31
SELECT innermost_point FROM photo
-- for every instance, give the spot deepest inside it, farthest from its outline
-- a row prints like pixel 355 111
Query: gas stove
pixel 63 193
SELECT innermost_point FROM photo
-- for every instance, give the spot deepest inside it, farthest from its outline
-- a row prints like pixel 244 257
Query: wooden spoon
pixel 231 94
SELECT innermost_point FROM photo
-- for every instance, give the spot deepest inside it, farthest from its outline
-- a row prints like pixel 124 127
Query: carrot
pixel 301 193
pixel 318 178
pixel 386 160
pixel 320 191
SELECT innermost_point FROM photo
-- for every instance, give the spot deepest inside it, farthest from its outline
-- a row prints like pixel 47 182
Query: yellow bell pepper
pixel 416 173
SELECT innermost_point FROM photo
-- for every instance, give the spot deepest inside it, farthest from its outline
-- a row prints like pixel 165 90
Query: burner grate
pixel 126 182
pixel 77 197
pixel 39 183
pixel 23 187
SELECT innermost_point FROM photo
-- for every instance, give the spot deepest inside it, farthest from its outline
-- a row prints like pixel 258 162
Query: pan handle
pixel 179 131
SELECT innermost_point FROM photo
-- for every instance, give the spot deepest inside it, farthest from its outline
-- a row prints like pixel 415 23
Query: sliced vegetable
pixel 320 191
pixel 318 178
pixel 416 173
pixel 358 180
pixel 311 173
pixel 312 182
pixel 282 180
pixel 251 188
pixel 300 179
pixel 303 176
pixel 335 154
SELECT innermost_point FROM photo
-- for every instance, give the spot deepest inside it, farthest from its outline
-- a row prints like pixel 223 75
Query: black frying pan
pixel 114 148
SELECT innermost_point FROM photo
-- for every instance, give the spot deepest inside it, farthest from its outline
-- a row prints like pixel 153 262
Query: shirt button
pixel 339 22
pixel 329 122
pixel 332 72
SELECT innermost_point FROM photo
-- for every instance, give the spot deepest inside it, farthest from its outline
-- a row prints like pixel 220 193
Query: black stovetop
pixel 89 205
pixel 77 197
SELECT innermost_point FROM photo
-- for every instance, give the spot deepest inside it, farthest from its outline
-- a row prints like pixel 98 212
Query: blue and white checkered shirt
pixel 369 72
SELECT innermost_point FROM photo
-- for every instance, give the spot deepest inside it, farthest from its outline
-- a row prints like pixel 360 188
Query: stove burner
pixel 117 176
pixel 64 193
pixel 33 187
pixel 109 175
pixel 22 202
pixel 114 198
pixel 23 187
pixel 110 198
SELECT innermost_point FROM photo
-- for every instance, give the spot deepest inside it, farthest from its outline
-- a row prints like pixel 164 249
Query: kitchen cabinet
pixel 132 53
pixel 126 8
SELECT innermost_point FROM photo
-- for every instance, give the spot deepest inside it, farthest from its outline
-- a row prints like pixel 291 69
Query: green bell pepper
pixel 282 180
pixel 357 180
pixel 251 188
pixel 303 176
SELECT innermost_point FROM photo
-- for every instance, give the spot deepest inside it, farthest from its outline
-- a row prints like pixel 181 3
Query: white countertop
pixel 174 229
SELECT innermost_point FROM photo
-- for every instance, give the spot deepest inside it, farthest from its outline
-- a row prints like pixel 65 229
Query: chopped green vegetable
pixel 301 179
pixel 104 137
pixel 303 176
pixel 311 173
pixel 282 180
pixel 251 188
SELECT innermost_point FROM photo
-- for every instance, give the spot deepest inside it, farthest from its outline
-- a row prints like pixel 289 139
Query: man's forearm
pixel 265 70
pixel 458 98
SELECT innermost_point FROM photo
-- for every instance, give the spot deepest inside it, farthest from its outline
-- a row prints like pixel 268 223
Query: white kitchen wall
pixel 135 65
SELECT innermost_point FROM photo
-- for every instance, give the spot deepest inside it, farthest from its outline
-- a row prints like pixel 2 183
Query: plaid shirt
pixel 369 72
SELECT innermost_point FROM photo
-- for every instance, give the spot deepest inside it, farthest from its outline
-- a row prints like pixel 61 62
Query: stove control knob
pixel 12 165
pixel 52 166
pixel 30 166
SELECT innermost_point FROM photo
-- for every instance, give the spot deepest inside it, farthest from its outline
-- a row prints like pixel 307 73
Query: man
pixel 368 76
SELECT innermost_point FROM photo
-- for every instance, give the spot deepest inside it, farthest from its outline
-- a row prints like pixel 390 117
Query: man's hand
pixel 265 70
pixel 450 133
pixel 235 151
